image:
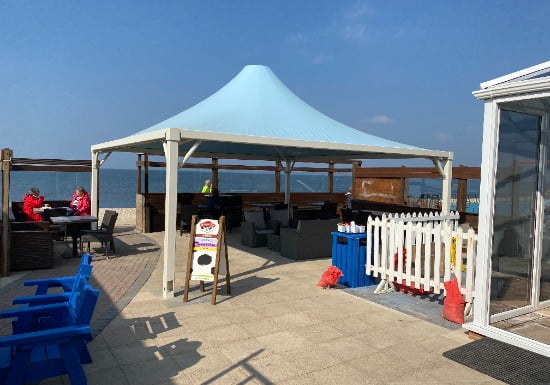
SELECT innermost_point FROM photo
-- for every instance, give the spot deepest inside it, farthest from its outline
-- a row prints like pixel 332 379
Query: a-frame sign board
pixel 207 256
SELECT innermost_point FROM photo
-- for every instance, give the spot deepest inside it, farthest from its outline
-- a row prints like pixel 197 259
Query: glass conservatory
pixel 512 302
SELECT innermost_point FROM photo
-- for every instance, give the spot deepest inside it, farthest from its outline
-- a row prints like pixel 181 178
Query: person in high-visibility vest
pixel 207 188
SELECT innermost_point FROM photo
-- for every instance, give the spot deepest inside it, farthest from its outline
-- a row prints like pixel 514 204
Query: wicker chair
pixel 104 234
pixel 311 239
pixel 31 246
pixel 186 214
pixel 254 229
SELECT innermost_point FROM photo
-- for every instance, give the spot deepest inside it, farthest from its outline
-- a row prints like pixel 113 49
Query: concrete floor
pixel 277 327
pixel 534 325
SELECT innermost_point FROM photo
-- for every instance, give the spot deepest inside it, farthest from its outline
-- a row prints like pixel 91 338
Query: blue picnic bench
pixel 49 339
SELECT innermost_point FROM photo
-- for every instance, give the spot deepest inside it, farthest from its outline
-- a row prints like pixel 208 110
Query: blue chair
pixel 35 356
pixel 49 340
pixel 77 310
pixel 40 354
pixel 42 285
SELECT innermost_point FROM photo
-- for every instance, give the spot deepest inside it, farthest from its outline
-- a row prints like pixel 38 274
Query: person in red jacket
pixel 80 204
pixel 31 201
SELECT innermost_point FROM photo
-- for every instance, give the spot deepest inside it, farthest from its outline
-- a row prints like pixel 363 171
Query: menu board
pixel 207 254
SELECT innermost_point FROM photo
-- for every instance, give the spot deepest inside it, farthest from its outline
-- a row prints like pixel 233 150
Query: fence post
pixel 5 157
pixel 472 247
pixel 419 230
pixel 376 238
pixel 427 256
pixel 408 246
pixel 437 256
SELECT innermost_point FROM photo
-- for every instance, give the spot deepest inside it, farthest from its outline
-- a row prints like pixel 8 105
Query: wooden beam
pixel 460 172
pixel 250 168
pixel 52 168
pixel 66 162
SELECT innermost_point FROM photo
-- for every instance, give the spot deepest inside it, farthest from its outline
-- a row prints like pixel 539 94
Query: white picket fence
pixel 416 250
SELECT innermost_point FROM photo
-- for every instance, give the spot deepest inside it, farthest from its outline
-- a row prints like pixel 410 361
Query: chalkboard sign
pixel 207 255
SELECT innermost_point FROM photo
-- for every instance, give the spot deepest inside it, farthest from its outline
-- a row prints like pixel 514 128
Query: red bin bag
pixel 453 304
pixel 330 277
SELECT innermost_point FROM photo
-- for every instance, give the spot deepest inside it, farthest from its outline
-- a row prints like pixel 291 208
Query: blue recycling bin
pixel 349 254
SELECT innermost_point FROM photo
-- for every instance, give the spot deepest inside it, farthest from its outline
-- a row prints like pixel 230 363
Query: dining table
pixel 74 224
pixel 42 210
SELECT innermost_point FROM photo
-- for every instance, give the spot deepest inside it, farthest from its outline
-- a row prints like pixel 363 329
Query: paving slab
pixel 277 327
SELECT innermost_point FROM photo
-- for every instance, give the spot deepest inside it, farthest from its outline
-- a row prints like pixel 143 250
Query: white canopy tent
pixel 254 116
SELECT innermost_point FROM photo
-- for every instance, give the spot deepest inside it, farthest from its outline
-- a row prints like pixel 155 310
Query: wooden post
pixel 461 195
pixel 5 158
pixel 146 174
pixel 278 176
pixel 138 189
pixel 215 173
pixel 354 167
pixel 331 177
pixel 404 194
pixel 194 220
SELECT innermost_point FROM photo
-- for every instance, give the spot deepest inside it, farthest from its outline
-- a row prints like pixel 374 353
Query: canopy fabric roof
pixel 256 116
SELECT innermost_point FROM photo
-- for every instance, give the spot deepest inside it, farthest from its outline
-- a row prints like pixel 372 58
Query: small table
pixel 74 221
pixel 41 210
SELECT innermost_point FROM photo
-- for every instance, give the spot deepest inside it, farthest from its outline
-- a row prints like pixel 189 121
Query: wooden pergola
pixel 9 164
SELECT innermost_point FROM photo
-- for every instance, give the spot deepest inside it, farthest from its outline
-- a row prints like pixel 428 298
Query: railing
pixel 421 252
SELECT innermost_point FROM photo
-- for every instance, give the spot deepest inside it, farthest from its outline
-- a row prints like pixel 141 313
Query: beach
pixel 126 215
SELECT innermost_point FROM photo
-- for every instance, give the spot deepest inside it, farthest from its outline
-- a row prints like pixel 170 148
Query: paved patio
pixel 277 327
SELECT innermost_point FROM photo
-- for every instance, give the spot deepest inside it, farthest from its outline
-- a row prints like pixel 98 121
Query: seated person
pixel 31 201
pixel 80 204
pixel 214 204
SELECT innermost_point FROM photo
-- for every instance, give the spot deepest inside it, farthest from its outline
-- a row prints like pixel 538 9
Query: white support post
pixel 446 172
pixel 446 190
pixel 489 163
pixel 170 208
pixel 95 183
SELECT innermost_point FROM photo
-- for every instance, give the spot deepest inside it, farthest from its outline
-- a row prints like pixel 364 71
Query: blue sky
pixel 76 73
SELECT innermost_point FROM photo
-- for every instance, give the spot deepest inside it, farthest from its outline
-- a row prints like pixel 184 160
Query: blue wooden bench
pixel 49 340
pixel 42 285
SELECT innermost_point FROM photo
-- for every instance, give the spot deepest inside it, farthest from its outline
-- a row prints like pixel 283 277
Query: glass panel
pixel 516 185
pixel 545 257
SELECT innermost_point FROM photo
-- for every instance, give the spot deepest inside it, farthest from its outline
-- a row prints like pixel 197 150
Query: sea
pixel 117 187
